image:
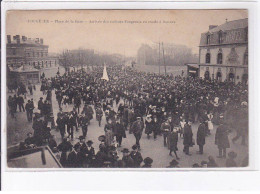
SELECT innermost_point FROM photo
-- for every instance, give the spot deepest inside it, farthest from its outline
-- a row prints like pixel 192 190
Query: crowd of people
pixel 140 103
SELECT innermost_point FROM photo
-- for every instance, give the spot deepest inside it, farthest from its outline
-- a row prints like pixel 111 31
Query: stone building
pixel 27 51
pixel 223 52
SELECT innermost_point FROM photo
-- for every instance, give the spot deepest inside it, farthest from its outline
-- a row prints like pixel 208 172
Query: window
pixel 208 39
pixel 208 58
pixel 219 58
pixel 14 52
pixel 220 37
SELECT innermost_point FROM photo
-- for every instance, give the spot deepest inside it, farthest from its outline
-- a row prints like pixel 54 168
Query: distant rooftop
pixel 231 25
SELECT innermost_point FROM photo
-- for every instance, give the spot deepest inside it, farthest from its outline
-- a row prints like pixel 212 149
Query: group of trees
pixel 87 57
pixel 169 55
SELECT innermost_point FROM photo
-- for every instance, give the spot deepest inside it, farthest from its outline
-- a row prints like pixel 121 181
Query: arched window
pixel 219 58
pixel 208 58
pixel 208 39
pixel 220 37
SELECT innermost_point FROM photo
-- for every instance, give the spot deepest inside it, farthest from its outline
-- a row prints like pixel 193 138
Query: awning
pixel 193 65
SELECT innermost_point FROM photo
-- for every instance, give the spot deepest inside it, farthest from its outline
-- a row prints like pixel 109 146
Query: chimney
pixel 24 38
pixel 18 39
pixel 41 41
pixel 212 26
pixel 9 39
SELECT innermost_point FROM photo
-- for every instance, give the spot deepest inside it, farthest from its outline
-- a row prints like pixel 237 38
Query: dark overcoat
pixel 201 134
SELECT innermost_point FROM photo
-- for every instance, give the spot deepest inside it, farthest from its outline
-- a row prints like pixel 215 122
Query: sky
pixel 116 31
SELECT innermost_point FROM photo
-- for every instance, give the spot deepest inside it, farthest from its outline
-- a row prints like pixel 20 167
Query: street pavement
pixel 17 130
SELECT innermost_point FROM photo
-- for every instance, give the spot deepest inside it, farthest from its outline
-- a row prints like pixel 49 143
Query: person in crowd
pixel 136 156
pixel 20 102
pixel 187 138
pixel 127 161
pixel 90 153
pixel 155 127
pixel 84 125
pixel 61 124
pixel 173 141
pixel 40 105
pixel 29 110
pixel 119 132
pixel 147 162
pixel 99 115
pixel 201 136
pixel 137 129
pixel 166 128
pixel 221 140
pixel 64 147
pixel 148 125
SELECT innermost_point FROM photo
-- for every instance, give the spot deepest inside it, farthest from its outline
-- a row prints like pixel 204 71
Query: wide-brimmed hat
pixel 89 142
pixel 125 150
pixel 101 138
pixel 148 160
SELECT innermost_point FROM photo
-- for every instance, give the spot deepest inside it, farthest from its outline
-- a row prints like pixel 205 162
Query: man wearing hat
pixel 221 140
pixel 166 129
pixel 137 129
pixel 89 151
pixel 127 161
pixel 73 157
pixel 40 104
pixel 61 124
pixel 82 145
pixel 136 156
pixel 119 132
pixel 201 135
pixel 187 137
pixel 84 125
pixel 147 162
pixel 29 110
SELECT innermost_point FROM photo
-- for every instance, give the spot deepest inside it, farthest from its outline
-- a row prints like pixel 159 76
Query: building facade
pixel 27 51
pixel 223 52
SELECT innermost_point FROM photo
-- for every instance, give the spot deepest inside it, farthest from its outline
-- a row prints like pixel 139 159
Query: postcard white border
pixel 18 178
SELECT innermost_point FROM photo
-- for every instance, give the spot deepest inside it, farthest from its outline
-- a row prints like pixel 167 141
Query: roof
pixel 25 68
pixel 193 65
pixel 231 25
pixel 228 37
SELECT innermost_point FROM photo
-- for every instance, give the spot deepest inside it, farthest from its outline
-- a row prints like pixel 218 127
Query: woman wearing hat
pixel 109 133
pixel 148 125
